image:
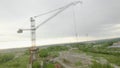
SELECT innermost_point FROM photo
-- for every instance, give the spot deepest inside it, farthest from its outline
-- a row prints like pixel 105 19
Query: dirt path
pixel 72 58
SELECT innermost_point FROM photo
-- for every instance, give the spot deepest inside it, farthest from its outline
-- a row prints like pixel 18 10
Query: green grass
pixel 6 57
pixel 78 63
pixel 110 58
pixel 8 60
pixel 112 55
pixel 20 62
pixel 50 65
pixel 99 65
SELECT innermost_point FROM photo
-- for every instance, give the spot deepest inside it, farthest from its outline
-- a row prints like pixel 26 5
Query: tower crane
pixel 33 49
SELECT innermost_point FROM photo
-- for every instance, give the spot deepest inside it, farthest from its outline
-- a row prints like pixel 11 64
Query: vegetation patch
pixel 78 63
pixel 47 54
pixel 99 65
pixel 6 57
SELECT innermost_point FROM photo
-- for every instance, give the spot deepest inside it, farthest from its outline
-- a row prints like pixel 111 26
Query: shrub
pixel 57 48
pixel 6 57
pixel 54 54
pixel 50 65
pixel 36 64
pixel 43 53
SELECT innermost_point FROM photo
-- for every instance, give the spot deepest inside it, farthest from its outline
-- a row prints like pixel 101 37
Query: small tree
pixel 43 53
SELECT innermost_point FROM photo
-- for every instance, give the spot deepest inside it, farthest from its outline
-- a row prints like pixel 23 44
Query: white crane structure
pixel 33 49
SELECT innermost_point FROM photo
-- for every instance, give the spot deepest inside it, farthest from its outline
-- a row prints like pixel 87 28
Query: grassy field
pixel 98 54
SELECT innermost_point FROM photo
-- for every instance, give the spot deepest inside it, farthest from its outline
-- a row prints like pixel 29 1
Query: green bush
pixel 57 48
pixel 50 65
pixel 54 54
pixel 6 57
pixel 36 64
pixel 43 53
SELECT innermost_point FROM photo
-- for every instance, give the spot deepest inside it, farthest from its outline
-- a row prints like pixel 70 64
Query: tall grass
pixel 99 65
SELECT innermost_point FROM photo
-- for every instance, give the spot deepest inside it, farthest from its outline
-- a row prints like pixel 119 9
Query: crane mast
pixel 33 32
pixel 33 49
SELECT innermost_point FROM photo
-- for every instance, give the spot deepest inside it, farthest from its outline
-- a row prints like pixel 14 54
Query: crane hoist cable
pixel 75 24
pixel 73 3
pixel 46 13
pixel 55 14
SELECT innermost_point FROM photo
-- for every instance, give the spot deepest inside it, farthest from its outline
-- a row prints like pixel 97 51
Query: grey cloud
pixel 93 17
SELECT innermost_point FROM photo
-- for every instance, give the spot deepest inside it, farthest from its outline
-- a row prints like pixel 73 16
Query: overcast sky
pixel 97 18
